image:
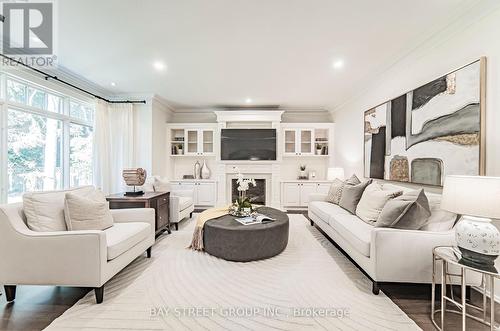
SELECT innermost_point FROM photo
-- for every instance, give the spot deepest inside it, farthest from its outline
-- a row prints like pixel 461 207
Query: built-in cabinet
pixel 192 141
pixel 296 193
pixel 204 192
pixel 307 140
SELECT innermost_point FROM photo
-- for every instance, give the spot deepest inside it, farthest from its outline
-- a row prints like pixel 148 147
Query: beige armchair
pixel 70 258
pixel 181 206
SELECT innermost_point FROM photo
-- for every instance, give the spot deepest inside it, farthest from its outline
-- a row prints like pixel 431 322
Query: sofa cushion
pixel 440 220
pixel 353 230
pixel 335 191
pixel 123 236
pixel 87 212
pixel 325 209
pixel 351 194
pixel 185 202
pixel 45 210
pixel 373 200
pixel 409 211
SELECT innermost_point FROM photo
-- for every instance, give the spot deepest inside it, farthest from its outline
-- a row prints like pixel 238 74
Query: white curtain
pixel 113 145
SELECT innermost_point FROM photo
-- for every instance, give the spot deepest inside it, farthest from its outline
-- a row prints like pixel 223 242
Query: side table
pixel 159 201
pixel 448 256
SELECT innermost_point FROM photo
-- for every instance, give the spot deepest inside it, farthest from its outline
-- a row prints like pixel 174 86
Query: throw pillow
pixel 351 194
pixel 409 211
pixel 87 213
pixel 373 201
pixel 45 210
pixel 335 192
pixel 440 220
pixel 161 185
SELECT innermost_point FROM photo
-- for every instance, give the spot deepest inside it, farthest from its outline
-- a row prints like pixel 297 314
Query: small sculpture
pixel 134 177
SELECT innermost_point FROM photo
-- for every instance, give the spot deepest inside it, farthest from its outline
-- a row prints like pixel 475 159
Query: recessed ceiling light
pixel 112 84
pixel 338 64
pixel 248 100
pixel 160 66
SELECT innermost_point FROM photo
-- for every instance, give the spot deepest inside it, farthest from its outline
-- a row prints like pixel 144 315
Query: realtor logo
pixel 28 28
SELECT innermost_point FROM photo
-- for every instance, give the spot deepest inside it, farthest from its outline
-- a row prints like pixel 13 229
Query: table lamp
pixel 335 173
pixel 477 200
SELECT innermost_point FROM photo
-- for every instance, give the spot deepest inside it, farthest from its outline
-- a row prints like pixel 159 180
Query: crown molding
pixel 466 18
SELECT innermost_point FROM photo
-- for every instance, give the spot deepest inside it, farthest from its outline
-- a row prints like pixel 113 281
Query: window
pixel 48 141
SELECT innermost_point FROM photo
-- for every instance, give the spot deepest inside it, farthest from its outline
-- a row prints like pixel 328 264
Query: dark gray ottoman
pixel 224 237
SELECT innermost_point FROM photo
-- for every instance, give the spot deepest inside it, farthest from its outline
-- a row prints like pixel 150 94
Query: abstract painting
pixel 430 132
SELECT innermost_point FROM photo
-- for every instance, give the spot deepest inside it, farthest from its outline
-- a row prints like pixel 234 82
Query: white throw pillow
pixel 161 185
pixel 90 212
pixel 373 201
pixel 440 220
pixel 45 210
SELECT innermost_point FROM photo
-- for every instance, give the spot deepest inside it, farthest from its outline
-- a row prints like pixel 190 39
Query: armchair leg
pixel 375 288
pixel 148 252
pixel 312 223
pixel 176 226
pixel 99 294
pixel 191 215
pixel 10 292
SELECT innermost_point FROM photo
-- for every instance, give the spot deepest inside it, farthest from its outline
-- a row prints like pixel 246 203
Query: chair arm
pixel 182 193
pixel 146 215
pixel 317 197
pixel 70 258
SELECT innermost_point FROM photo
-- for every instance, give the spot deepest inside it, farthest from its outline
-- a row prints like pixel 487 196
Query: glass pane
pixel 81 111
pixel 192 137
pixel 34 149
pixel 306 141
pixel 16 91
pixel 289 141
pixel 36 98
pixel 54 103
pixel 208 142
pixel 80 155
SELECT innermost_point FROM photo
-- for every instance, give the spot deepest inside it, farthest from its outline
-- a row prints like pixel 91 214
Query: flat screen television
pixel 248 144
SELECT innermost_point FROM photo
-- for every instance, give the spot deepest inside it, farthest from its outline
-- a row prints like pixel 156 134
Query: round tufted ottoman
pixel 227 239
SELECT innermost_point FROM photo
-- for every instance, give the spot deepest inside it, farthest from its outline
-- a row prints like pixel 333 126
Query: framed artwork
pixel 435 130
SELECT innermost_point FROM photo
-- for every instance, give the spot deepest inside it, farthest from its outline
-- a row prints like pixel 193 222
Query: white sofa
pixel 384 254
pixel 70 258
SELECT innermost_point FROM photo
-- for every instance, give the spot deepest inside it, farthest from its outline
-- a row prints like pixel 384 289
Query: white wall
pixel 150 136
pixel 452 49
pixel 429 62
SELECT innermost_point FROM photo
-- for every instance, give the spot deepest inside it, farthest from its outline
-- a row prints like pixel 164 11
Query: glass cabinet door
pixel 306 141
pixel 192 142
pixel 290 142
pixel 208 141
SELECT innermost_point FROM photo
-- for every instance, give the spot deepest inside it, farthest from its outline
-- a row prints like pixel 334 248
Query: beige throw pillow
pixel 335 192
pixel 45 210
pixel 373 200
pixel 87 213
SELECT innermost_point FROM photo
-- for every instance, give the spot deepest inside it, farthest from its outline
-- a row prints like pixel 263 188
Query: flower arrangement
pixel 242 205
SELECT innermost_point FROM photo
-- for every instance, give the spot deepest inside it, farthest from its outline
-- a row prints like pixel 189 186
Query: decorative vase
pixel 478 240
pixel 205 172
pixel 197 170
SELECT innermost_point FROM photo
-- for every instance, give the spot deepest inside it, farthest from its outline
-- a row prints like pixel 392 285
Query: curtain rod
pixel 47 77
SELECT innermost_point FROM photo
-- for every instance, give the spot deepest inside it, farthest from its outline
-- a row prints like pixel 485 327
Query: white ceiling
pixel 225 51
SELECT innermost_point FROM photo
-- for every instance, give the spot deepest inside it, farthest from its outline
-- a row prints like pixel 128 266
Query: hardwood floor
pixel 36 307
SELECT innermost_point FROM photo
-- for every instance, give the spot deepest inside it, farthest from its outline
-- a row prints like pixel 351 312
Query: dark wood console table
pixel 157 200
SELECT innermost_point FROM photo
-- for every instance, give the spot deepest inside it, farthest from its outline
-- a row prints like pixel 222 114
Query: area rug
pixel 310 286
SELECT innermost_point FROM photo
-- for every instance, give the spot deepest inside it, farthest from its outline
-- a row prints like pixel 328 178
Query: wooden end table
pixel 159 201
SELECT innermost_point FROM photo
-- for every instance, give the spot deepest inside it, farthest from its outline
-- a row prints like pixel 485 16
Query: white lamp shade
pixel 472 195
pixel 335 173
